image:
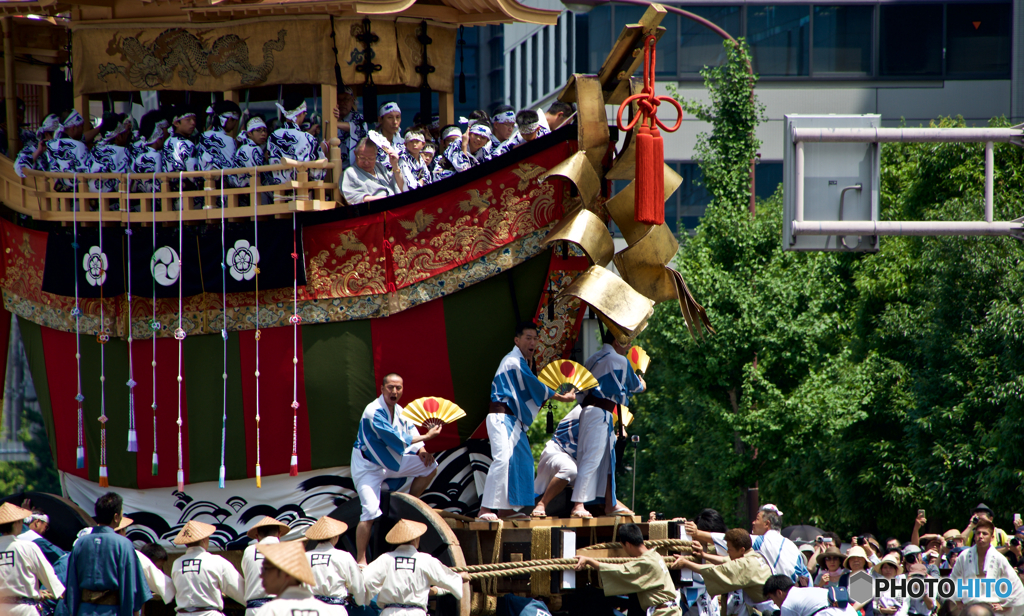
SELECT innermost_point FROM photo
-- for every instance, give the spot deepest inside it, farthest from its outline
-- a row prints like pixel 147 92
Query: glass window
pixel 767 177
pixel 911 40
pixel 668 51
pixel 978 39
pixel 778 38
pixel 842 39
pixel 560 57
pixel 693 197
pixel 534 67
pixel 579 39
pixel 600 38
pixel 703 47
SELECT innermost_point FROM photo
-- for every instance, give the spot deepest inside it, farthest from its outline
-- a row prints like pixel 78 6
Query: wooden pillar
pixel 446 107
pixel 329 96
pixel 82 107
pixel 11 91
pixel 232 95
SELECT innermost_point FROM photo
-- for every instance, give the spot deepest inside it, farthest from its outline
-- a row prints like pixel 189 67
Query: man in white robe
pixel 368 180
pixel 983 560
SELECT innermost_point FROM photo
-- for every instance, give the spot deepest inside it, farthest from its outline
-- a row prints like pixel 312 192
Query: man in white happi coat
pixel 389 126
pixel 616 384
pixel 983 560
pixel 266 531
pixel 23 568
pixel 368 180
pixel 202 579
pixel 148 159
pixel 291 142
pixel 67 153
pixel 404 579
pixel 388 449
pixel 336 576
pixel 503 124
pixel 516 397
pixel 781 554
pixel 287 574
pixel 153 557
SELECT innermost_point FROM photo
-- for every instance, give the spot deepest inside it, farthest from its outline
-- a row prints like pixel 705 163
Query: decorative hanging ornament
pixel 154 326
pixel 224 335
pixel 133 439
pixel 256 241
pixel 179 333
pixel 293 468
pixel 98 259
pixel 77 314
pixel 650 148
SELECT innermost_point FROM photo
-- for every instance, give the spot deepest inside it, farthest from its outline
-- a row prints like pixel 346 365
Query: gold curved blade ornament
pixel 622 309
pixel 578 170
pixel 585 229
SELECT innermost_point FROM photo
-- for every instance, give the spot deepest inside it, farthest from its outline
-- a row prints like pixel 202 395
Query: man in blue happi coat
pixel 104 574
pixel 616 384
pixel 516 398
pixel 388 449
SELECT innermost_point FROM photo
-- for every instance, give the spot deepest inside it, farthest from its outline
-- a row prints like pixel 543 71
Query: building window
pixel 778 38
pixel 911 40
pixel 600 37
pixel 978 39
pixel 842 39
pixel 700 46
pixel 534 67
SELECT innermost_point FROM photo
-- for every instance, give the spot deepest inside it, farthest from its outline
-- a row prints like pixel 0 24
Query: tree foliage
pixel 39 473
pixel 883 383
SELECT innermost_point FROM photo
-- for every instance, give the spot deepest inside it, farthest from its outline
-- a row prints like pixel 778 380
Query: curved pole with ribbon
pixel 650 147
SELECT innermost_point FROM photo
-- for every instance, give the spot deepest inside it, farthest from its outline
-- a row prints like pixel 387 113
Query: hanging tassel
pixel 293 470
pixel 658 169
pixel 104 482
pixel 80 457
pixel 646 206
pixel 133 441
pixel 220 482
pixel 551 421
pixel 181 480
pixel 156 464
pixel 259 482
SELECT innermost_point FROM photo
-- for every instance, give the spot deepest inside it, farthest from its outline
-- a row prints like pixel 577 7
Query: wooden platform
pixel 460 522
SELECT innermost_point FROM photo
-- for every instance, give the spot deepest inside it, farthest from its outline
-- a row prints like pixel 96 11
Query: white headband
pixel 430 146
pixel 435 122
pixel 505 117
pixel 42 517
pixel 181 116
pixel 159 130
pixel 50 124
pixel 414 135
pixel 120 129
pixel 255 123
pixel 480 129
pixel 294 113
pixel 773 509
pixel 387 108
pixel 450 131
pixel 74 119
pixel 229 115
pixel 528 129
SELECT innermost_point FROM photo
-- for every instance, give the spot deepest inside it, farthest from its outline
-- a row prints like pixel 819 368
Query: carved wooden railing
pixel 36 195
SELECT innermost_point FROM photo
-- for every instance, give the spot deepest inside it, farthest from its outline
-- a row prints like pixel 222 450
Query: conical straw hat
pixel 405 531
pixel 290 557
pixel 12 513
pixel 266 521
pixel 194 531
pixel 125 523
pixel 325 528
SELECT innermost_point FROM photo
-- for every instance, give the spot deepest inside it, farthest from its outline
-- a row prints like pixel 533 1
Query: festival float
pixel 212 362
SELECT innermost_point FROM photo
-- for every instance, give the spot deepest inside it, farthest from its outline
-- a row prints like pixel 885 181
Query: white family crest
pixel 242 260
pixel 95 265
pixel 165 266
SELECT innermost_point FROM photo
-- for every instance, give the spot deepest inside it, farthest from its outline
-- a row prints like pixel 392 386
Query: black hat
pixel 983 507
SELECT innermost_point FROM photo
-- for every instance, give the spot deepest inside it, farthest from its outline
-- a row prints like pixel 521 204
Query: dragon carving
pixel 153 65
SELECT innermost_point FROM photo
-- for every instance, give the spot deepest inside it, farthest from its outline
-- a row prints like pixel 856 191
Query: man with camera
pixel 984 512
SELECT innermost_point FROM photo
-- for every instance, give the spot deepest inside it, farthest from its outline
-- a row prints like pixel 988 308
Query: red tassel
pixel 646 205
pixel 658 170
pixel 293 470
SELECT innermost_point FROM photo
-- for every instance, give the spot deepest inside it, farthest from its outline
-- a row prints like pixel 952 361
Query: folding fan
pixel 563 374
pixel 639 359
pixel 429 412
pixel 625 415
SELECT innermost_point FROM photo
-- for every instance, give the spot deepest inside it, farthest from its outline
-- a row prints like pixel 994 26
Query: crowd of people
pixel 378 160
pixel 764 571
pixel 104 573
pixel 382 161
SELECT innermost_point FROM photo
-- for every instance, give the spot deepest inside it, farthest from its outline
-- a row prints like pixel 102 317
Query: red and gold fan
pixel 639 359
pixel 562 375
pixel 431 411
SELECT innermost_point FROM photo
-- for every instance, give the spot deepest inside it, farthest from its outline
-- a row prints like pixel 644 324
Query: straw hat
pixel 831 550
pixel 855 552
pixel 927 540
pixel 194 531
pixel 952 534
pixel 290 557
pixel 405 531
pixel 326 528
pixel 266 521
pixel 125 523
pixel 890 559
pixel 12 513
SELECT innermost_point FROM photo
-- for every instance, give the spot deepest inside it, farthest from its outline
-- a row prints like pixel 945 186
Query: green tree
pixel 39 473
pixel 883 383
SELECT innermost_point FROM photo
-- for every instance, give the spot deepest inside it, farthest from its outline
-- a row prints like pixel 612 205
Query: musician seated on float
pixel 368 179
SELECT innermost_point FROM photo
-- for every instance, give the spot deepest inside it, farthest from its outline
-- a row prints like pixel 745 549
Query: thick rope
pixel 651 544
pixel 536 566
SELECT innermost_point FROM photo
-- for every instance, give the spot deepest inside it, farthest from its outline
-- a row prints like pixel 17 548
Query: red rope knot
pixel 649 188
